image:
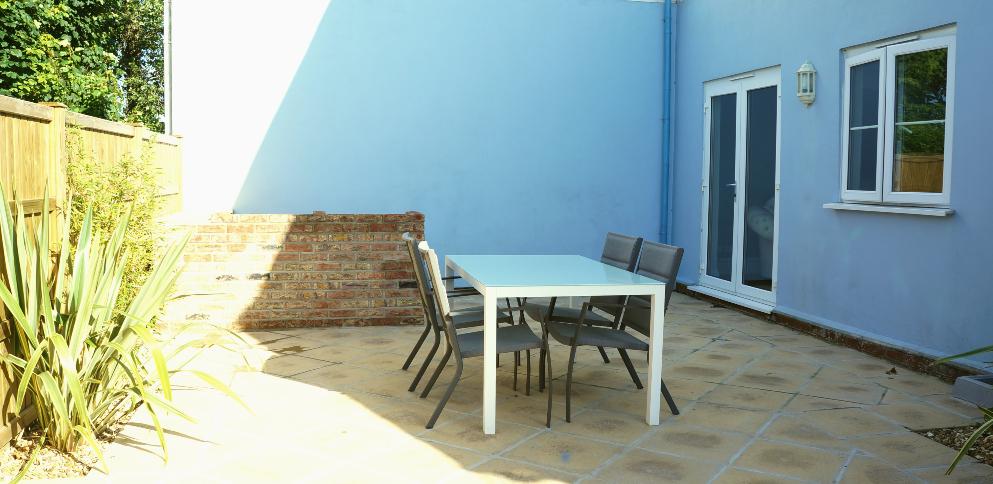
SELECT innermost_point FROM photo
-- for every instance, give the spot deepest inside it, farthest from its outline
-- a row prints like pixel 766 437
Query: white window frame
pixel 919 198
pixel 886 55
pixel 877 55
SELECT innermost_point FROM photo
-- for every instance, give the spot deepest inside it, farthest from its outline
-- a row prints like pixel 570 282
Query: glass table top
pixel 544 270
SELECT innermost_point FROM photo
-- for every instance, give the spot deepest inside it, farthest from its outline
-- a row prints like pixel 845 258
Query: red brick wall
pixel 265 271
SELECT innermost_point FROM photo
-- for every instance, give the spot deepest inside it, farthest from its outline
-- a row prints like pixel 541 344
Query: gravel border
pixel 954 437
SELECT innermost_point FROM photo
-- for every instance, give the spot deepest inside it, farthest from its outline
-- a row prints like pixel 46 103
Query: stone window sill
pixel 902 209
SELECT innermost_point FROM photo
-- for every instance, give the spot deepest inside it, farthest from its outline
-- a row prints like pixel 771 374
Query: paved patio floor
pixel 759 403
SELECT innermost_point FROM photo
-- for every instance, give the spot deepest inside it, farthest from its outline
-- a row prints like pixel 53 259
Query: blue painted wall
pixel 515 126
pixel 921 282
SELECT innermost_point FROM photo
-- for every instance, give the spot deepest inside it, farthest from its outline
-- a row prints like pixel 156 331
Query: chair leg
pixel 447 395
pixel 437 372
pixel 548 416
pixel 668 399
pixel 427 362
pixel 542 354
pixel 527 382
pixel 568 385
pixel 603 354
pixel 417 347
pixel 630 367
pixel 517 362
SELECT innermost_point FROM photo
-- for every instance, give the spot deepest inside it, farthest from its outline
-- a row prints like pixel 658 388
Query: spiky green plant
pixel 80 360
pixel 986 426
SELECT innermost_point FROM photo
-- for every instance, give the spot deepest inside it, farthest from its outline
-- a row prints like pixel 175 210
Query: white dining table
pixel 531 276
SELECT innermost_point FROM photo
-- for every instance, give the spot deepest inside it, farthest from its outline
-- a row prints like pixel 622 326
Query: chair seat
pixel 472 317
pixel 509 339
pixel 596 336
pixel 564 315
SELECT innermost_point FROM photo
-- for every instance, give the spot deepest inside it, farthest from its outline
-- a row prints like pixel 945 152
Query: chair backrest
pixel 421 276
pixel 620 251
pixel 440 296
pixel 659 262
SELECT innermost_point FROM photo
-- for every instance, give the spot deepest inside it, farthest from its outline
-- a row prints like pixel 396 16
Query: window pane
pixel 919 121
pixel 862 159
pixel 863 118
pixel 921 81
pixel 864 94
pixel 720 241
pixel 919 157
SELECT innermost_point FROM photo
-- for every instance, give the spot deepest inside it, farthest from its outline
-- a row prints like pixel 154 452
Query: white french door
pixel 740 222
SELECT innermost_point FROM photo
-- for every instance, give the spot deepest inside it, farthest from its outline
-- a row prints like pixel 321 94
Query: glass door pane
pixel 720 233
pixel 760 188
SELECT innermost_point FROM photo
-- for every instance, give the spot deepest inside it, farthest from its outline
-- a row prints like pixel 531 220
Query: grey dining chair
pixel 658 261
pixel 464 318
pixel 620 251
pixel 423 291
pixel 509 339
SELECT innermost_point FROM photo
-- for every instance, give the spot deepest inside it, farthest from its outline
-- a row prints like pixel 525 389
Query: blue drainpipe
pixel 665 226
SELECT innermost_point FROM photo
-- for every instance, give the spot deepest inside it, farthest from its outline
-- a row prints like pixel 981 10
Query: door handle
pixel 731 185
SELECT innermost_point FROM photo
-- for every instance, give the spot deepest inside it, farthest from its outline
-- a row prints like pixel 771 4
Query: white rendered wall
pixel 232 64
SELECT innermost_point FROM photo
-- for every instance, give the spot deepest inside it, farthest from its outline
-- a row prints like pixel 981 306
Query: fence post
pixel 57 181
pixel 140 133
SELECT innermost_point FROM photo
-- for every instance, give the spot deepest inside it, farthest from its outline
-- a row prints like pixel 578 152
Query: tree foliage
pixel 99 57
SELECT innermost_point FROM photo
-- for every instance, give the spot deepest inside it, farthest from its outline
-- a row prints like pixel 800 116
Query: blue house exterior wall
pixel 515 126
pixel 923 283
pixel 523 126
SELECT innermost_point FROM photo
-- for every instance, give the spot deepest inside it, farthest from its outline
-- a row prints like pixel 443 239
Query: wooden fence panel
pixel 168 160
pixel 33 157
pixel 26 138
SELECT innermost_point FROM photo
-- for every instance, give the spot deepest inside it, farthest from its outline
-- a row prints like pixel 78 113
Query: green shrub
pixel 80 360
pixel 113 189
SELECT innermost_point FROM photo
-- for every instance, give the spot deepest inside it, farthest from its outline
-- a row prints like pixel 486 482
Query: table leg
pixel 449 283
pixel 655 359
pixel 489 363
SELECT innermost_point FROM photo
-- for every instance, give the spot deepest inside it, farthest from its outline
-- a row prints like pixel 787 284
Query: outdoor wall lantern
pixel 806 77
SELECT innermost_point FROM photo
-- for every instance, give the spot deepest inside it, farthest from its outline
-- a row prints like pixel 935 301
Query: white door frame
pixel 739 84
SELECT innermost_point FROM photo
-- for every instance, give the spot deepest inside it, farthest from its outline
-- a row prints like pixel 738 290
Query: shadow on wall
pixel 319 269
pixel 514 126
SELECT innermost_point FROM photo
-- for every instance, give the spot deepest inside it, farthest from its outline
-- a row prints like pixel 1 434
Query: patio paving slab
pixel 918 416
pixel 790 428
pixel 865 470
pixel 639 466
pixel 742 476
pixel 566 452
pixel 793 460
pixel 696 442
pixel 758 403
